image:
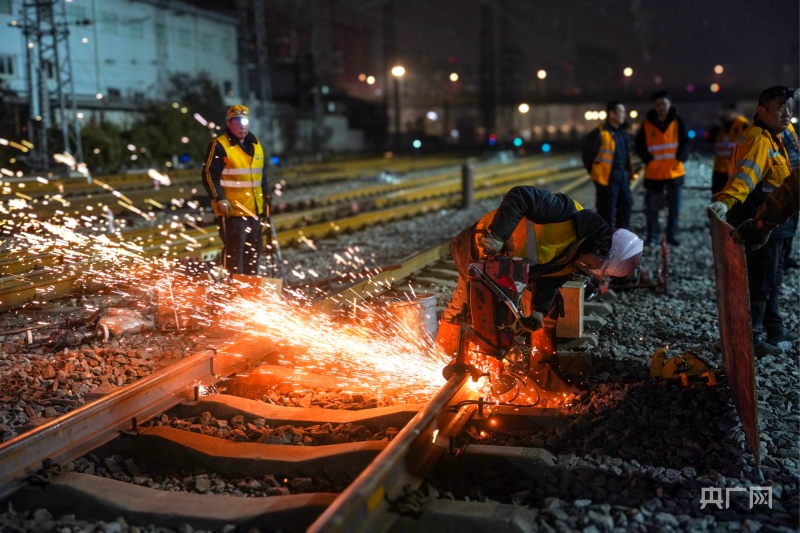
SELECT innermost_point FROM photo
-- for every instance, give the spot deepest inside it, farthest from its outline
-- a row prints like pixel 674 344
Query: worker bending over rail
pixel 558 236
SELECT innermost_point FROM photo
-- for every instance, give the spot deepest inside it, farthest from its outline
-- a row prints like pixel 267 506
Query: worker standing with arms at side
pixel 663 146
pixel 606 156
pixel 725 135
pixel 235 177
pixel 761 165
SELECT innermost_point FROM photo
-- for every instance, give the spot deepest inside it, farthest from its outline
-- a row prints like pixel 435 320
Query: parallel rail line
pixel 46 277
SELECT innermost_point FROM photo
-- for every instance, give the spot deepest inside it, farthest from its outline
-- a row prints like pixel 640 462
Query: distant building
pixel 123 51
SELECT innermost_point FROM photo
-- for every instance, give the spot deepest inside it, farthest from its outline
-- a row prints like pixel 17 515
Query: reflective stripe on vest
pixel 243 174
pixel 759 160
pixel 663 146
pixel 601 166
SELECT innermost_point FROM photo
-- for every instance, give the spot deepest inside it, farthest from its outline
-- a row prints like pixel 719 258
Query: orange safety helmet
pixel 236 111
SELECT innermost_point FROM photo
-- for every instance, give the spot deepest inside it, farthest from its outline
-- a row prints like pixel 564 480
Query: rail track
pixel 47 275
pixel 125 423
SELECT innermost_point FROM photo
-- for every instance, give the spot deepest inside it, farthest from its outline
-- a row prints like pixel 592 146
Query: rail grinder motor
pixel 494 283
pixel 493 324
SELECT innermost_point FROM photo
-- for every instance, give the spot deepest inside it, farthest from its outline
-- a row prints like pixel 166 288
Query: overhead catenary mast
pixel 50 87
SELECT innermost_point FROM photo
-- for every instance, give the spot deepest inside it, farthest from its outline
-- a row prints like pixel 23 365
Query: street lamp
pixel 398 72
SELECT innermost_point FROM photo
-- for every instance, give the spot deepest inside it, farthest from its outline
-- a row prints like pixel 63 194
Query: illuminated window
pixel 206 42
pixel 136 28
pixel 109 22
pixel 7 66
pixel 76 12
pixel 184 37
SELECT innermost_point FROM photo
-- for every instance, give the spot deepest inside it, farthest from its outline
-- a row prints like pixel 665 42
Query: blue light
pixel 417 143
pixel 692 134
pixel 517 142
pixel 275 160
pixel 492 141
pixel 545 148
pixel 185 158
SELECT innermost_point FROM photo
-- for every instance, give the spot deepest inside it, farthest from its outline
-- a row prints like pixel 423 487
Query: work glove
pixel 222 208
pixel 751 235
pixel 533 322
pixel 491 244
pixel 717 208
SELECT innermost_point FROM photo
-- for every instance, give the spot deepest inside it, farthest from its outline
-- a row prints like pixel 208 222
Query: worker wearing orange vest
pixel 725 135
pixel 235 177
pixel 663 146
pixel 606 156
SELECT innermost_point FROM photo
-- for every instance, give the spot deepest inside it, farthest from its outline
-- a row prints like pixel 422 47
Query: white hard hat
pixel 624 255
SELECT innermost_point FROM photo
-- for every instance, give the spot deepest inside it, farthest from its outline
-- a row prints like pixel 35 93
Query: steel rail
pixel 203 245
pixel 93 424
pixel 366 505
pixel 84 429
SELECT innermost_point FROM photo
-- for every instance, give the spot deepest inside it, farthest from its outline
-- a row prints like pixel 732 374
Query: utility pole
pixel 50 82
pixel 245 31
pixel 264 77
pixel 488 93
pixel 388 56
pixel 162 72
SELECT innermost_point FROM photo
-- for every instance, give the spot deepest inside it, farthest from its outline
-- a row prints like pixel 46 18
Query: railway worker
pixel 606 156
pixel 780 205
pixel 235 177
pixel 556 234
pixel 663 146
pixel 726 134
pixel 761 164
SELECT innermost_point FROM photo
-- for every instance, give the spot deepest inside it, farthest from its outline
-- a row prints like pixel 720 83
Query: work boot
pixel 763 348
pixel 447 337
pixel 782 339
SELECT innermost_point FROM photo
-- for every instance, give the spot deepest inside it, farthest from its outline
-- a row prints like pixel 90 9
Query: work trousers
pixel 765 276
pixel 614 201
pixel 653 197
pixel 241 237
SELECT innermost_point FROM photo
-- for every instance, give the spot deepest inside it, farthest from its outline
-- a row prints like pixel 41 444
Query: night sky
pixel 681 40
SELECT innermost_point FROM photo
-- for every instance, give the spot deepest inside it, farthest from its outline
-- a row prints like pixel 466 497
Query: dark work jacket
pixel 544 207
pixel 621 165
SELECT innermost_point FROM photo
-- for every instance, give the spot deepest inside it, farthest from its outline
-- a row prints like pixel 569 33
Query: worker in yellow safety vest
pixel 663 145
pixel 762 163
pixel 235 177
pixel 557 236
pixel 726 134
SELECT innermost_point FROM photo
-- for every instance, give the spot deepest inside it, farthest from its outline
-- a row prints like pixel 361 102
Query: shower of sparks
pixel 95 241
pixel 377 350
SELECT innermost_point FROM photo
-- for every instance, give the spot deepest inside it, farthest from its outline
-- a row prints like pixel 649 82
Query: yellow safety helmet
pixel 237 111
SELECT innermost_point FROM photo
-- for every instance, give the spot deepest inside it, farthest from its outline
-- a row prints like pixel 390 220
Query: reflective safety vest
pixel 760 165
pixel 241 178
pixel 601 166
pixel 663 146
pixel 541 243
pixel 725 142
